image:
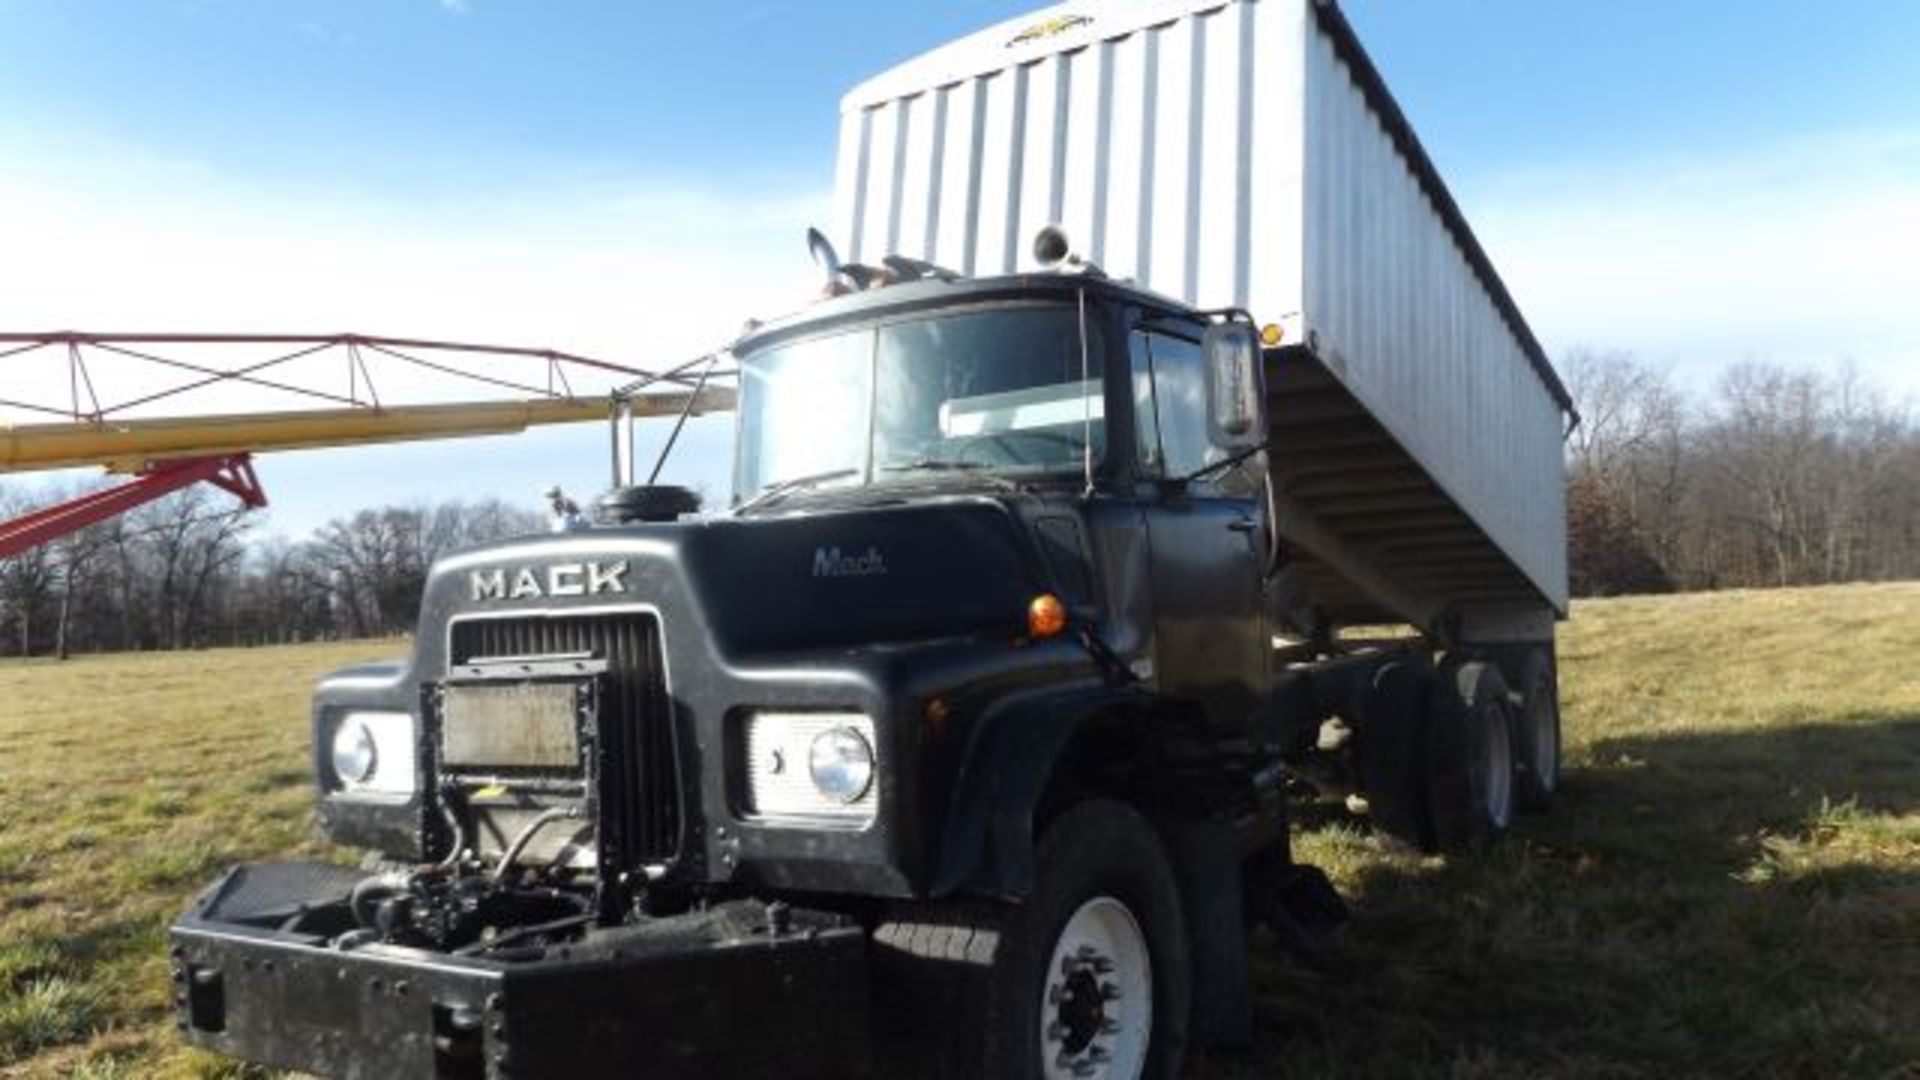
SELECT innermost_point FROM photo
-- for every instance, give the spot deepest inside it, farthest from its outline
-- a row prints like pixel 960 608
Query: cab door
pixel 1206 537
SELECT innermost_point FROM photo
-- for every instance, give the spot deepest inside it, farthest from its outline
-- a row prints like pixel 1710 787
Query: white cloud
pixel 1799 252
pixel 458 7
pixel 108 238
pixel 1802 252
pixel 644 276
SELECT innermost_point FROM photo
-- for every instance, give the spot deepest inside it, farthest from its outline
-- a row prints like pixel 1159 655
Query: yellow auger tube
pixel 129 445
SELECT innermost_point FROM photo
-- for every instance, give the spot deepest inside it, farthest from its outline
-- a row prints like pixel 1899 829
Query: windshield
pixel 996 392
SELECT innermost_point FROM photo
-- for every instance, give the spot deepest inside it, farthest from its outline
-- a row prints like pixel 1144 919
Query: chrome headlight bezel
pixel 810 769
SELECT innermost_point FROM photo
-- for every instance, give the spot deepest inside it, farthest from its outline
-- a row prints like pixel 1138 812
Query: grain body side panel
pixel 1398 313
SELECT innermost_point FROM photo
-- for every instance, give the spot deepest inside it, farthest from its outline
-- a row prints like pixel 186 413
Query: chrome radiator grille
pixel 640 798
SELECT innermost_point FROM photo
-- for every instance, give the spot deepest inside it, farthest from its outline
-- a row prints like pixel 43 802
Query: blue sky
pixel 1698 182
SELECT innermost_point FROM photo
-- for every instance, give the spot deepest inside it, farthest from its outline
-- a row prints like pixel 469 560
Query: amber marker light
pixel 1046 616
pixel 1271 334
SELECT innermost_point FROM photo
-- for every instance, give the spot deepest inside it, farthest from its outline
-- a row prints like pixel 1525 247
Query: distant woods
pixel 1776 477
pixel 186 572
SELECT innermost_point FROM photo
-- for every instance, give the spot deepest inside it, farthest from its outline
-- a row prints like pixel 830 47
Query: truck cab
pixel 992 559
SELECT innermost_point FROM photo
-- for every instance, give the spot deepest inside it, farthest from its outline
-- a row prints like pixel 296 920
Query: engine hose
pixel 454 826
pixel 568 923
pixel 520 842
pixel 370 891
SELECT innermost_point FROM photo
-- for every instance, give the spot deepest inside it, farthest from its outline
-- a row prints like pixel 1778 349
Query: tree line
pixel 188 572
pixel 1775 476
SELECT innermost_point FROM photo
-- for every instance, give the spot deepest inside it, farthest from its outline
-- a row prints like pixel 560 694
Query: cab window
pixel 1169 391
pixel 1170 410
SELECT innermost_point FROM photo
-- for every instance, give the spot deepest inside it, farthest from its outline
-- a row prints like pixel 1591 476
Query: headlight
pixel 372 753
pixel 818 767
pixel 842 764
pixel 354 753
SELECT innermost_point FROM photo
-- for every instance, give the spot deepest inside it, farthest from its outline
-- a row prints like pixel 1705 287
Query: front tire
pixel 1088 978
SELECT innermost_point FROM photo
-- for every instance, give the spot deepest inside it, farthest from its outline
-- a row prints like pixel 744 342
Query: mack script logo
pixel 829 562
pixel 560 579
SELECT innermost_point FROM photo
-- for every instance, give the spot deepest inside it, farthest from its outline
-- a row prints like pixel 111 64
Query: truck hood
pixel 822 579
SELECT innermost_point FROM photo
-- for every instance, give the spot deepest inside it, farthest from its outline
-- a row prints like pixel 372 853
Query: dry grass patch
pixel 1729 887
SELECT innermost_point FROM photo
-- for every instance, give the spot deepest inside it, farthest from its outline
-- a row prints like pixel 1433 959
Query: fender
pixel 987 843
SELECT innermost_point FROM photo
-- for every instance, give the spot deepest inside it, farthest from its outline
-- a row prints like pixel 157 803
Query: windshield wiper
pixel 933 465
pixel 1231 461
pixel 949 465
pixel 776 491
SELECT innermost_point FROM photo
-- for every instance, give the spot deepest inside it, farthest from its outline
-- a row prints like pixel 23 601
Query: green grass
pixel 1730 885
pixel 126 782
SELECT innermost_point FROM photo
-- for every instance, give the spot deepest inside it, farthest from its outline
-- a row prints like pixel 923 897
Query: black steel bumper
pixel 697 995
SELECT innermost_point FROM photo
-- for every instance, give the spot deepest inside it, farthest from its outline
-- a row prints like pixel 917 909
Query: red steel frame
pixel 232 473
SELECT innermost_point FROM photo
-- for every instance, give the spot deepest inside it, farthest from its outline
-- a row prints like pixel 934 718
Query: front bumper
pixel 704 994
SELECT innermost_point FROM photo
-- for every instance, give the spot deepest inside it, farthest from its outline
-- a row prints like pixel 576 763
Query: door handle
pixel 1243 525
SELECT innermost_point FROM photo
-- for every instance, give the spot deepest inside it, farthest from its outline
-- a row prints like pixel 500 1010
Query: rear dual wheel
pixel 1391 752
pixel 1436 754
pixel 1446 758
pixel 1536 733
pixel 1470 773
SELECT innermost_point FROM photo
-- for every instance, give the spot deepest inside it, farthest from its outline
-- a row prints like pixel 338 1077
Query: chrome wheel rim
pixel 1546 746
pixel 1499 758
pixel 1096 1005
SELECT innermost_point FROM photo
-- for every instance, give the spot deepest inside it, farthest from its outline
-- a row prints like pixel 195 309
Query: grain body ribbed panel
pixel 1238 153
pixel 1398 314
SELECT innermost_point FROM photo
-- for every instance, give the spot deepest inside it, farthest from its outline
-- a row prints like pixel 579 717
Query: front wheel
pixel 1096 1011
pixel 1088 978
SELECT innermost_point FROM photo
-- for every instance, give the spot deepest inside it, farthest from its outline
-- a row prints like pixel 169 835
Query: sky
pixel 1699 183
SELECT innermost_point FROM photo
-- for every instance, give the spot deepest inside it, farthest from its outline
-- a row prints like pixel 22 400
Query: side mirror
pixel 1234 390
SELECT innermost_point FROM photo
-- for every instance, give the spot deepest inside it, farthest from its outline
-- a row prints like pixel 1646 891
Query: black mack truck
pixel 961 742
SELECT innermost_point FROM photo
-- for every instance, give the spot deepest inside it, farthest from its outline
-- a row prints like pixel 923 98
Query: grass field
pixel 1729 887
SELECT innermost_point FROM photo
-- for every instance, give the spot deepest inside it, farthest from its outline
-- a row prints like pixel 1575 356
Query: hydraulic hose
pixel 458 830
pixel 520 841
